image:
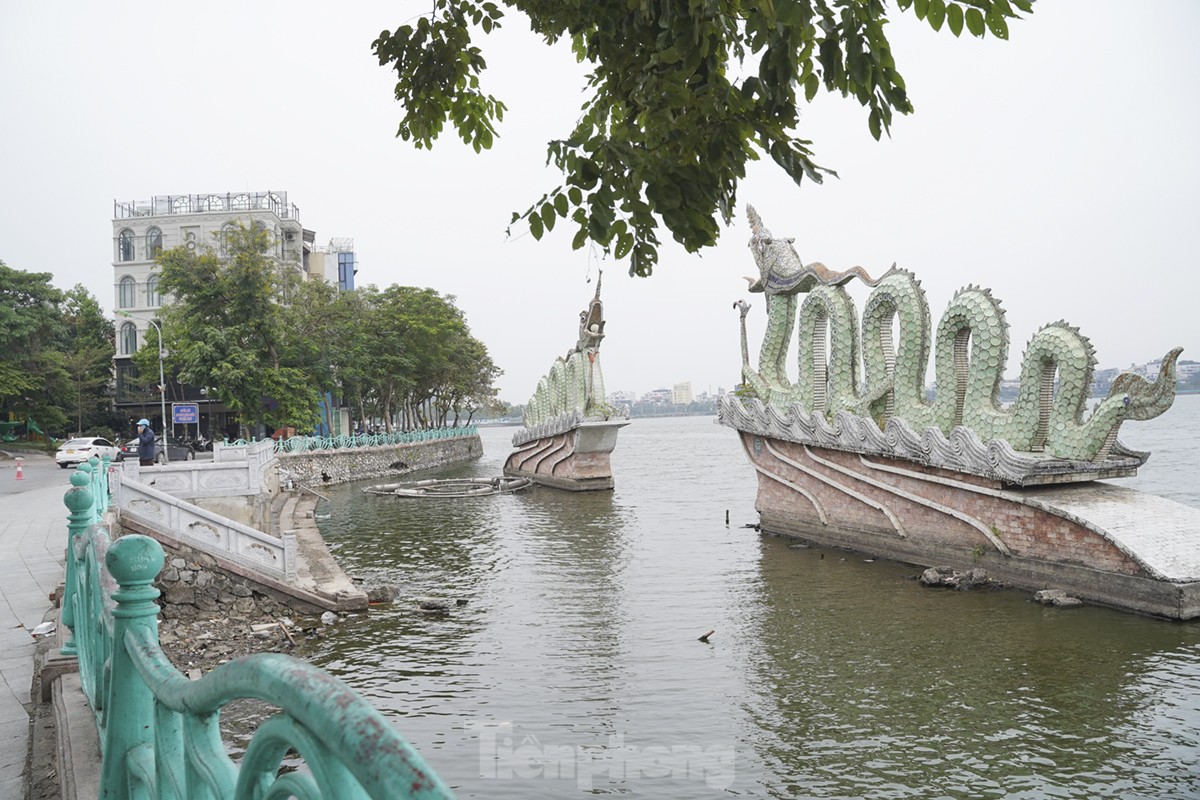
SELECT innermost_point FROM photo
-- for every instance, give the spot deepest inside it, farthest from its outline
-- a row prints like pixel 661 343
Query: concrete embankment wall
pixel 315 468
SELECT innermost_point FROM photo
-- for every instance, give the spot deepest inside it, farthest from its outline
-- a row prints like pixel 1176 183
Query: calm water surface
pixel 574 667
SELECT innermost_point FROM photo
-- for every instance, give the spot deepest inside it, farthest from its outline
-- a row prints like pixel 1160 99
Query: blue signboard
pixel 185 413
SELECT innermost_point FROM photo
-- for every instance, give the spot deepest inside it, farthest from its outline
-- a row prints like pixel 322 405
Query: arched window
pixel 125 245
pixel 125 292
pixel 128 339
pixel 153 243
pixel 153 297
pixel 227 231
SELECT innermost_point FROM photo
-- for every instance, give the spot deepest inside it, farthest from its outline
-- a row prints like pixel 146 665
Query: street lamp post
pixel 162 384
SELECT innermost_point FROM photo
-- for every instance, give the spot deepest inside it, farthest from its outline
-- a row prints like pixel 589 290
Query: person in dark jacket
pixel 145 443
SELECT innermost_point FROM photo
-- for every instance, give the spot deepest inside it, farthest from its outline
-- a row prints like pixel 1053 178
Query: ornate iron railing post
pixel 159 731
pixel 100 484
pixel 79 501
pixel 134 561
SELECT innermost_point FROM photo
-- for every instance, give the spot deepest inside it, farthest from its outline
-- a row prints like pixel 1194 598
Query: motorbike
pixel 200 443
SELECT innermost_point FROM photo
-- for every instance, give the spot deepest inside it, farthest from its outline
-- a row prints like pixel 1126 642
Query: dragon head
pixel 774 256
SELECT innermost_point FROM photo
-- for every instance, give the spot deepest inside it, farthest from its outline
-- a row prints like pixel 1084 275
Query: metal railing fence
pixel 159 730
pixel 302 444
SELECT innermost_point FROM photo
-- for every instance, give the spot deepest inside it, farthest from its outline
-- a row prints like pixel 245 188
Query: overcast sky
pixel 1060 169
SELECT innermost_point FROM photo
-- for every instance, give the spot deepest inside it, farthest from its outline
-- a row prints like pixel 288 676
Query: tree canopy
pixel 224 329
pixel 682 95
pixel 267 343
pixel 55 353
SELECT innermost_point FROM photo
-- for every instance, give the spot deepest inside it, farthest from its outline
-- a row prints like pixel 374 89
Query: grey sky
pixel 1060 169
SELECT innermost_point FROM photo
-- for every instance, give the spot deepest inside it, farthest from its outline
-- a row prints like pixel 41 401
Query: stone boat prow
pixel 569 430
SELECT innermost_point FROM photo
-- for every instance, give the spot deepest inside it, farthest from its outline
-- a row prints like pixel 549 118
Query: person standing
pixel 145 443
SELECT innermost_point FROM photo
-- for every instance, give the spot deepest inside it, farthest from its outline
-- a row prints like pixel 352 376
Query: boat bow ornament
pixel 572 392
pixel 569 430
pixel 882 409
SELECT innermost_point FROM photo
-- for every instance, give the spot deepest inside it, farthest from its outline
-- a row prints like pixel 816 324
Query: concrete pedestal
pixel 577 460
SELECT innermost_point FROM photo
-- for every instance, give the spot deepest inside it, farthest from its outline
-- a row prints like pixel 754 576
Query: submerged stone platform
pixel 1105 544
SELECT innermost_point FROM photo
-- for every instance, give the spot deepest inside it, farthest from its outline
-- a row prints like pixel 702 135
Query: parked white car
pixel 76 451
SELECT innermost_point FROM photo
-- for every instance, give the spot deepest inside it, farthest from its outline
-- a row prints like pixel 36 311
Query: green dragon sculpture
pixel 970 352
pixel 574 386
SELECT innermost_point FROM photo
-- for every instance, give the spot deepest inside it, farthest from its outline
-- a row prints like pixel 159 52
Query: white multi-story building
pixel 657 397
pixel 143 230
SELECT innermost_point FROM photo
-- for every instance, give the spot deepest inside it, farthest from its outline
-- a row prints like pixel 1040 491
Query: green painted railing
pixel 159 731
pixel 301 444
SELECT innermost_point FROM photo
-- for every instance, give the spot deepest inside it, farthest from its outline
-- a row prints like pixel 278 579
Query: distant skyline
pixel 1058 169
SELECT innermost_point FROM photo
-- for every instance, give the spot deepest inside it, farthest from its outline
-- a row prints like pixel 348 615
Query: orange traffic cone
pixel 20 475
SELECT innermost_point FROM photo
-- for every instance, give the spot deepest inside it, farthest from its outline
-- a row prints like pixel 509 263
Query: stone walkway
pixel 1160 533
pixel 33 535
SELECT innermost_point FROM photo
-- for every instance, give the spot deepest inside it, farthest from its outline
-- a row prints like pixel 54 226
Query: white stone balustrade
pixel 204 529
pixel 240 479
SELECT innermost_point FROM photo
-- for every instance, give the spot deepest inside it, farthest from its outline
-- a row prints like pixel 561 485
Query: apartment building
pixel 143 230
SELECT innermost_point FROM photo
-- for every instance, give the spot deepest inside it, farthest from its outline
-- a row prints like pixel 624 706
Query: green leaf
pixel 597 230
pixel 998 25
pixel 811 84
pixel 975 23
pixel 624 245
pixel 921 8
pixel 581 237
pixel 954 16
pixel 535 226
pixel 560 204
pixel 589 173
pixel 936 14
pixel 873 122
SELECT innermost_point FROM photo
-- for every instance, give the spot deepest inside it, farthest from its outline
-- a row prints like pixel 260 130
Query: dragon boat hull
pixel 1104 544
pixel 576 459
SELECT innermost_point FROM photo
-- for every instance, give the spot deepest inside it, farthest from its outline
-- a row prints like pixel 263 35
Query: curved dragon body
pixel 895 338
pixel 828 375
pixel 970 354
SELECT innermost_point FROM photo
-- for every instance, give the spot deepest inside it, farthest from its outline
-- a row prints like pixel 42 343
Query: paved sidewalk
pixel 33 538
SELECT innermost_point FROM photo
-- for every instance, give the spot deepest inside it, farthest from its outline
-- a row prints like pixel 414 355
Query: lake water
pixel 575 667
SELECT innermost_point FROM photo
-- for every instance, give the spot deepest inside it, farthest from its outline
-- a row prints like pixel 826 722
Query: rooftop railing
pixel 159 730
pixel 168 204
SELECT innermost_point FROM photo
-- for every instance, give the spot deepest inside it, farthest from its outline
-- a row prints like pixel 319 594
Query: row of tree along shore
pixel 270 344
pixel 264 342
